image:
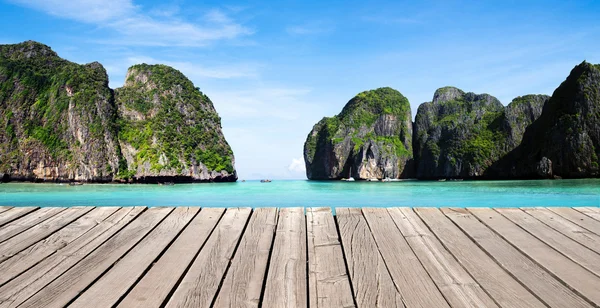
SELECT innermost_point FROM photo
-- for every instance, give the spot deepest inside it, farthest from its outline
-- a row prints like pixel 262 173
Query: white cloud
pixel 139 28
pixel 297 165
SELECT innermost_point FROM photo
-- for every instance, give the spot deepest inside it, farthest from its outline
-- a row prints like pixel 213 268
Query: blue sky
pixel 273 69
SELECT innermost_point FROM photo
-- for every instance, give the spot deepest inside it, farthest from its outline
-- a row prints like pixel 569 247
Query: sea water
pixel 584 192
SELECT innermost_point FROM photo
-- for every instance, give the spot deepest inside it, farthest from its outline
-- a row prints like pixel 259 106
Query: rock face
pixel 57 118
pixel 370 139
pixel 168 128
pixel 59 122
pixel 460 135
pixel 565 140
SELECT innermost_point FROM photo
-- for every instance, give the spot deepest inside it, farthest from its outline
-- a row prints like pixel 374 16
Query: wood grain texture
pixel 40 231
pixel 27 258
pixel 551 290
pixel 242 286
pixel 415 285
pixel 502 287
pixel 14 213
pixel 17 226
pixel 4 209
pixel 24 286
pixel 66 287
pixel 372 283
pixel 155 286
pixel 585 218
pixel 593 212
pixel 566 227
pixel 328 281
pixel 453 280
pixel 107 291
pixel 286 280
pixel 200 284
pixel 571 249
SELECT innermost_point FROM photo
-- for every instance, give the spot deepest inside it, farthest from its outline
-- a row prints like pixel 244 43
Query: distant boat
pixel 373 180
pixel 265 181
pixel 349 179
pixel 75 183
pixel 442 180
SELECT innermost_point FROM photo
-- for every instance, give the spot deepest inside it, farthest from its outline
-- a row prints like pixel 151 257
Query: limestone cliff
pixel 565 140
pixel 168 128
pixel 370 139
pixel 57 118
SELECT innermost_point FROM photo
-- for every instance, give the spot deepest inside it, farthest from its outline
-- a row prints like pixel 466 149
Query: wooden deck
pixel 295 257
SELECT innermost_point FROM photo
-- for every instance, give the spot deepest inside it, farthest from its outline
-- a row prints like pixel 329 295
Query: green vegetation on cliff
pixel 374 125
pixel 170 124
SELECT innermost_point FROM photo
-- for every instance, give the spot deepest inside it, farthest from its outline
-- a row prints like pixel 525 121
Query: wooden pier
pixel 296 257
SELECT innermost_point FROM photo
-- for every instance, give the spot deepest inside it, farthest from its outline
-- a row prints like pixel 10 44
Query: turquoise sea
pixel 585 192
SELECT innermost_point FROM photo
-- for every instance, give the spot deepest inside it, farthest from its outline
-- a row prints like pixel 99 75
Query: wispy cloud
pixel 297 165
pixel 138 27
pixel 310 28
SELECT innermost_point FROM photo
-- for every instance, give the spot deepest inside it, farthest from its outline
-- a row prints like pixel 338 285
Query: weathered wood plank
pixel 244 280
pixel 536 278
pixel 593 212
pixel 24 286
pixel 66 287
pixel 416 287
pixel 4 208
pixel 155 286
pixel 454 281
pixel 328 281
pixel 42 230
pixel 17 226
pixel 29 257
pixel 373 285
pixel 14 213
pixel 107 291
pixel 286 280
pixel 200 284
pixel 503 288
pixel 583 218
pixel 566 227
pixel 571 249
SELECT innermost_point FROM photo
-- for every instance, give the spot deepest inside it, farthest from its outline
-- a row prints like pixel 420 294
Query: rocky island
pixel 60 121
pixel 463 135
pixel 370 139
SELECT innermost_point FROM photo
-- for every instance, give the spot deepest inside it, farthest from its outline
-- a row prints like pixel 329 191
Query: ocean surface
pixel 584 192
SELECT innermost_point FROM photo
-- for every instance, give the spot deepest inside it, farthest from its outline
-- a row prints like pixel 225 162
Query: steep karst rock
pixel 168 128
pixel 565 140
pixel 370 139
pixel 57 118
pixel 460 135
pixel 59 121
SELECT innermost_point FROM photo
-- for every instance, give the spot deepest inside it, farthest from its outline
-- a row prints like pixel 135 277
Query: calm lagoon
pixel 584 192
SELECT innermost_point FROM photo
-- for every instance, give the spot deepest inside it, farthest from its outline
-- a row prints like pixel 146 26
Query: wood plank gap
pixel 286 281
pixel 129 269
pixel 499 284
pixel 549 288
pixel 371 280
pixel 244 281
pixel 339 234
pixel 39 232
pixel 77 279
pixel 199 285
pixel 566 227
pixel 264 283
pixel 559 242
pixel 34 254
pixel 453 280
pixel 15 213
pixel 584 218
pixel 27 284
pixel 161 280
pixel 26 222
pixel 412 280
